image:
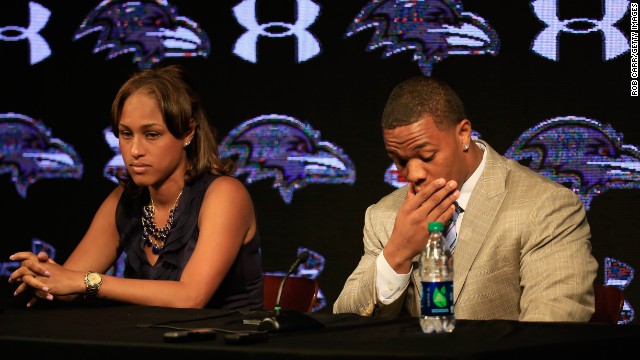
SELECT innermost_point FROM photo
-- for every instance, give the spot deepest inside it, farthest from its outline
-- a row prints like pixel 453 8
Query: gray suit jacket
pixel 523 252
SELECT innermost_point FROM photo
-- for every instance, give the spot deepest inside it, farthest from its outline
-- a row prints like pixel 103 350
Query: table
pixel 99 330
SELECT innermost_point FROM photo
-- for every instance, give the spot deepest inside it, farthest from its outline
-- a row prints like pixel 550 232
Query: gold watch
pixel 92 281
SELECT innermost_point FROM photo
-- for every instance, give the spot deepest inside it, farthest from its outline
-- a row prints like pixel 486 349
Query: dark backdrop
pixel 340 92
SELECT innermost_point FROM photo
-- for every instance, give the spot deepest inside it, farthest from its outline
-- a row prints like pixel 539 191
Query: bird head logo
pixel 150 29
pixel 29 153
pixel 287 150
pixel 586 156
pixel 432 29
pixel 115 169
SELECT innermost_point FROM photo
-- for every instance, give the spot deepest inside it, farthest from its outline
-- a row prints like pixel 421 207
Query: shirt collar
pixel 467 187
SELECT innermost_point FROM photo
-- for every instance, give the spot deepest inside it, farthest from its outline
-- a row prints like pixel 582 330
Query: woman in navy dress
pixel 186 226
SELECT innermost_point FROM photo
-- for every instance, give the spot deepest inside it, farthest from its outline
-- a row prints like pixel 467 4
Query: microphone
pixel 288 320
pixel 302 257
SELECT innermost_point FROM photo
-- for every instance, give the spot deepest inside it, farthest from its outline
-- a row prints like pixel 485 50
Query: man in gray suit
pixel 523 248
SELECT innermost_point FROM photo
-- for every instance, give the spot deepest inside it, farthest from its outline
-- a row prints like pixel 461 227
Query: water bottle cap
pixel 435 226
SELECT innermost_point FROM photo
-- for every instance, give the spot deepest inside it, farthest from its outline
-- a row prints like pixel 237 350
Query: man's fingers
pixel 439 207
pixel 436 193
pixel 427 192
pixel 415 200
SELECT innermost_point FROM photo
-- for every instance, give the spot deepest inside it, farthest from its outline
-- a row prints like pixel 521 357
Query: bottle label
pixel 437 298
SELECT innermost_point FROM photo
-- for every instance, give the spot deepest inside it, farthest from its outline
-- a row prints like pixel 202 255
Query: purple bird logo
pixel 150 29
pixel 586 156
pixel 620 275
pixel 287 150
pixel 114 170
pixel 29 153
pixel 432 29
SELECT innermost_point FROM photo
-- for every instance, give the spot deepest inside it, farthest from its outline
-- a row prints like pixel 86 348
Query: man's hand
pixel 433 202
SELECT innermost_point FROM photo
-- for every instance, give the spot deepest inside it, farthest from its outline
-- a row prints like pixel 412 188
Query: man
pixel 523 248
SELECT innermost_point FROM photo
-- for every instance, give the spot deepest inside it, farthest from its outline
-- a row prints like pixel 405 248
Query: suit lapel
pixel 479 215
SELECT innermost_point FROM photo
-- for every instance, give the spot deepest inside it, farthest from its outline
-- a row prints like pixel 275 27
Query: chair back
pixel 298 294
pixel 609 302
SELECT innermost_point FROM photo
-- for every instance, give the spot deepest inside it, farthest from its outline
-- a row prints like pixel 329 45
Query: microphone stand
pixel 288 320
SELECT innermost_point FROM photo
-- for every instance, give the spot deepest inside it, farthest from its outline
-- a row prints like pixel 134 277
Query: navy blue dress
pixel 241 287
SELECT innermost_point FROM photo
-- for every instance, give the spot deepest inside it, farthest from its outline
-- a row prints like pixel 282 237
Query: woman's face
pixel 150 152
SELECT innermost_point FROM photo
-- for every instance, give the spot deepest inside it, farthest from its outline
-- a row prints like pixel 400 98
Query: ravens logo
pixel 582 154
pixel 291 152
pixel 432 29
pixel 150 29
pixel 29 153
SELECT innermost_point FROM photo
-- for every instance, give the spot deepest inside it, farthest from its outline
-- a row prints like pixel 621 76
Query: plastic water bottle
pixel 436 275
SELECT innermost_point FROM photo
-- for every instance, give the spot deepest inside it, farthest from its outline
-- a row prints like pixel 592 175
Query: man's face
pixel 423 153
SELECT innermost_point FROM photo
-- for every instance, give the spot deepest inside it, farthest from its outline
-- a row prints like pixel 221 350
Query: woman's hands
pixel 32 274
pixel 44 277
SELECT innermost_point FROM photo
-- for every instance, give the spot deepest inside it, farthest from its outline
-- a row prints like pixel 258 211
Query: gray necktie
pixel 450 229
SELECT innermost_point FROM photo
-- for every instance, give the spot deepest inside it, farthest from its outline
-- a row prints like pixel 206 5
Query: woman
pixel 188 229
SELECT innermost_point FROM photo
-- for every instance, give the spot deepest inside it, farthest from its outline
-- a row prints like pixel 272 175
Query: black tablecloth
pixel 106 330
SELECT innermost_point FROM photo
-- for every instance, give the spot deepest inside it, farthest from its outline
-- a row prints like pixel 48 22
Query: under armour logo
pixel 246 45
pixel 546 43
pixel 38 47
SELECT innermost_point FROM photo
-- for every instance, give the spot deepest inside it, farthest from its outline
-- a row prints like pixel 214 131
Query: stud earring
pixel 466 147
pixel 187 143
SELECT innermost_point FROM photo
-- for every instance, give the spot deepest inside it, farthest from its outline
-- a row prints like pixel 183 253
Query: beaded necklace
pixel 151 234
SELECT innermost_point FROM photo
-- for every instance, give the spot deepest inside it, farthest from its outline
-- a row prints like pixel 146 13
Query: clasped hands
pixel 34 274
pixel 432 202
